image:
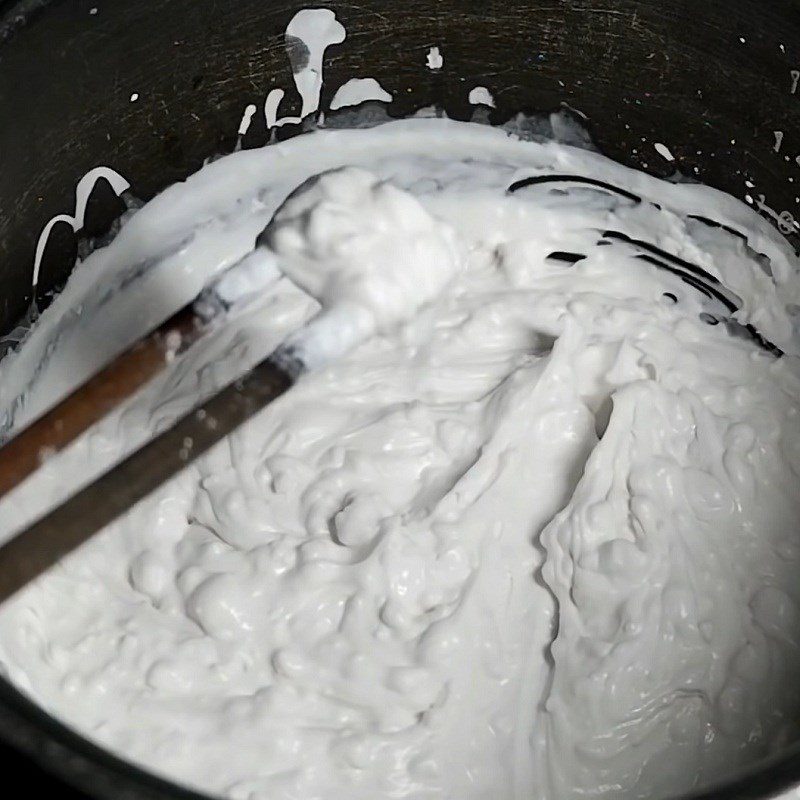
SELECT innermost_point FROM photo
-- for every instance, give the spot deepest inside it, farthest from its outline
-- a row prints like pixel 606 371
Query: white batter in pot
pixel 535 538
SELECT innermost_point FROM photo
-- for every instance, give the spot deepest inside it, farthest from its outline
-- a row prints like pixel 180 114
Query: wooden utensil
pixel 32 551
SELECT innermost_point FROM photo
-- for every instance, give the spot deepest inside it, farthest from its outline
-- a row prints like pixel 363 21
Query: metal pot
pixel 154 88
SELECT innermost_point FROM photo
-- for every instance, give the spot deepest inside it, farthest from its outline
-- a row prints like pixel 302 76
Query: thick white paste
pixel 535 538
pixel 367 251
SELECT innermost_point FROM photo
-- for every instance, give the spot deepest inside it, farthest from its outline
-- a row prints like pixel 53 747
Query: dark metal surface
pixel 643 71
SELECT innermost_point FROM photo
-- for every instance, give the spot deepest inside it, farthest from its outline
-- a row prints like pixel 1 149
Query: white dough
pixel 368 251
pixel 535 535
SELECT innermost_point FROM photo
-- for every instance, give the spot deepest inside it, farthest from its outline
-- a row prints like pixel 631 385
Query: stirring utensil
pixel 37 548
pixel 69 525
pixel 404 258
pixel 119 380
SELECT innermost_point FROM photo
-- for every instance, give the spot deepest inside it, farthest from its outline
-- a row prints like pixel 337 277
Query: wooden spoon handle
pixel 107 390
pixel 39 547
